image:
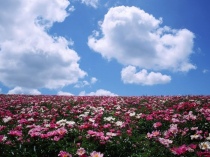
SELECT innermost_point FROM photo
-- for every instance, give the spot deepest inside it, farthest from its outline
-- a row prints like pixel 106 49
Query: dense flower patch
pixel 68 126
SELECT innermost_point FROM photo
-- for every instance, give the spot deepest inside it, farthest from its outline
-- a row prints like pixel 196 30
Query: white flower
pixel 132 114
pixel 119 123
pixel 91 120
pixel 30 119
pixel 47 125
pixel 204 145
pixel 109 118
pixel 111 134
pixel 138 115
pixel 61 122
pixel 196 136
pixel 70 122
pixel 4 138
pixel 7 119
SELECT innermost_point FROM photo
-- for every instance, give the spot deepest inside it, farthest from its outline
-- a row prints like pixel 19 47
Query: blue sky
pixel 98 47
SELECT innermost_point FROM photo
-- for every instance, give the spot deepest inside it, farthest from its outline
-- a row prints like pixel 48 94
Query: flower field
pixel 99 126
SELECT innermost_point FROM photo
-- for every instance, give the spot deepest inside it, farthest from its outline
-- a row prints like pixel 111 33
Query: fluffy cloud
pixel 81 84
pixel 131 76
pixel 134 37
pixel 93 80
pixel 29 57
pixel 99 92
pixel 20 90
pixel 93 3
pixel 64 93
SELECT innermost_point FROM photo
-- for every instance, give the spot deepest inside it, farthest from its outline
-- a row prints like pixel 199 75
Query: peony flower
pixel 109 118
pixel 205 145
pixel 3 138
pixel 119 123
pixel 96 154
pixel 164 141
pixel 61 131
pixel 196 136
pixel 7 119
pixel 61 122
pixel 157 124
pixel 179 150
pixel 64 154
pixel 81 151
pixel 15 133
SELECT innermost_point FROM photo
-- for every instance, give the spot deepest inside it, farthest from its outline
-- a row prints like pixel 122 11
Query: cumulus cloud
pixel 64 93
pixel 92 3
pixel 130 75
pixel 134 37
pixel 99 92
pixel 84 83
pixel 93 80
pixel 20 90
pixel 29 57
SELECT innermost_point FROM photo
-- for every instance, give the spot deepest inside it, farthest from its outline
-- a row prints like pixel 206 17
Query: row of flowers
pixel 104 126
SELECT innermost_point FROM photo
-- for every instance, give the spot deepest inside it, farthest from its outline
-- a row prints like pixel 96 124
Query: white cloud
pixel 81 84
pixel 205 71
pixel 29 56
pixel 134 37
pixel 93 80
pixel 20 90
pixel 130 75
pixel 84 83
pixel 92 3
pixel 64 93
pixel 99 92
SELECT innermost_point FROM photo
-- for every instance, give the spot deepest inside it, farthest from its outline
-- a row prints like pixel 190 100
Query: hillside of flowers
pixel 102 126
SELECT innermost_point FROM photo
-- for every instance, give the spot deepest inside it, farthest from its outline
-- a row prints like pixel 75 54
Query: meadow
pixel 104 126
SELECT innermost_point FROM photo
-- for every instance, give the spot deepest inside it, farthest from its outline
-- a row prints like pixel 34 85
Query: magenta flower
pixel 15 133
pixel 157 124
pixel 179 150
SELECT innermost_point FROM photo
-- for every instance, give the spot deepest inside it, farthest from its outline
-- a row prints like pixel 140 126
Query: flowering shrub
pixel 88 126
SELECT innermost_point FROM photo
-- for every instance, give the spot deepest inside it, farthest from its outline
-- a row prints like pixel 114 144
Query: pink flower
pixel 96 154
pixel 61 131
pixel 81 151
pixel 164 141
pixel 64 154
pixel 2 138
pixel 179 150
pixel 173 129
pixel 15 133
pixel 157 124
pixel 153 134
pixel 56 138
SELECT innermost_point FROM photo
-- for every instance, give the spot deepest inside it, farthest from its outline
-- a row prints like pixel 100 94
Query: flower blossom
pixel 64 154
pixel 81 151
pixel 7 119
pixel 119 123
pixel 164 141
pixel 96 154
pixel 205 145
pixel 179 150
pixel 157 124
pixel 109 118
